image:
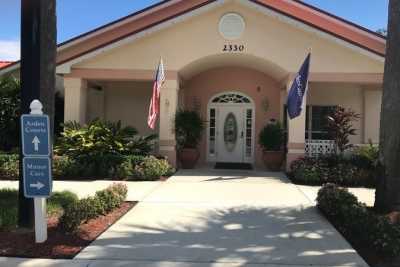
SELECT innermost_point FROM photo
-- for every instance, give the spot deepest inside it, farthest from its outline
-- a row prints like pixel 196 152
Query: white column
pixel 168 107
pixel 296 133
pixel 75 100
pixel 372 114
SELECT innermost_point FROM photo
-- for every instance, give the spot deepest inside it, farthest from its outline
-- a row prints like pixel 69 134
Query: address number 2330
pixel 233 48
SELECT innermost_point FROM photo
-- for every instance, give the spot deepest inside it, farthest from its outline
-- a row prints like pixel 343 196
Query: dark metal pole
pixel 38 51
pixel 30 54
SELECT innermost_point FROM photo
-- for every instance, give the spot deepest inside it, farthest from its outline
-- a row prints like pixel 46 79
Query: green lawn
pixel 9 204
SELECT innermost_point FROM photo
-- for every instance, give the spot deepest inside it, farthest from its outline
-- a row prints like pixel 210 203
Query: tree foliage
pixel 340 127
pixel 10 102
pixel 10 110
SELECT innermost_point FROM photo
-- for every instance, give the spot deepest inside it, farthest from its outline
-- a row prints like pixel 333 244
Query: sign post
pixel 35 132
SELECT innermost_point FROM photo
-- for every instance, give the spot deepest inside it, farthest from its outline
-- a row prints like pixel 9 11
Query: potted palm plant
pixel 188 130
pixel 271 141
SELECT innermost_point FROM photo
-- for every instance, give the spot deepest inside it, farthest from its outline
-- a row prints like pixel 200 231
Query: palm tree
pixel 387 196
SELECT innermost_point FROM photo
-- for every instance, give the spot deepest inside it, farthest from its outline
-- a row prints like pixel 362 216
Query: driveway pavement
pixel 222 218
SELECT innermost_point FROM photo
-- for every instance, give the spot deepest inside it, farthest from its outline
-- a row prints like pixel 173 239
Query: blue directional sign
pixel 37 177
pixel 35 135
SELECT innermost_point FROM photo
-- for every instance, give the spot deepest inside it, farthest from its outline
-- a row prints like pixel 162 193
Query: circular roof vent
pixel 231 26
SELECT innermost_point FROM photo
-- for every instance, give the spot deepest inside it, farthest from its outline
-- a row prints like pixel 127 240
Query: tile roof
pixel 4 63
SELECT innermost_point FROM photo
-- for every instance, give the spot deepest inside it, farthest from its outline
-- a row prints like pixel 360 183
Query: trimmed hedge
pixel 132 167
pixel 103 202
pixel 331 169
pixel 58 201
pixel 9 206
pixel 358 223
pixel 8 209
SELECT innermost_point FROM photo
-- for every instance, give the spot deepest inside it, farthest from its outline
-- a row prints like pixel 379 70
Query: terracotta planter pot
pixel 273 160
pixel 188 157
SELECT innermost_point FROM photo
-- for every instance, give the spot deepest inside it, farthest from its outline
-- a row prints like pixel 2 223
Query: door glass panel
pixel 230 132
pixel 212 132
pixel 249 134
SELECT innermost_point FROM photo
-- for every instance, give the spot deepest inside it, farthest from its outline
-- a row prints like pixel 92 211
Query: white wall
pixel 372 104
pixel 125 101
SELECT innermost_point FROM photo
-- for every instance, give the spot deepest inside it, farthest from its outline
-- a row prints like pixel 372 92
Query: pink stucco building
pixel 225 57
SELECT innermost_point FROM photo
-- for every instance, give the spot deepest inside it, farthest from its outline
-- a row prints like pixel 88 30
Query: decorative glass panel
pixel 249 134
pixel 231 98
pixel 230 132
pixel 212 132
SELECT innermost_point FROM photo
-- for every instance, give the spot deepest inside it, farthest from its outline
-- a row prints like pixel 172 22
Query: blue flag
pixel 298 90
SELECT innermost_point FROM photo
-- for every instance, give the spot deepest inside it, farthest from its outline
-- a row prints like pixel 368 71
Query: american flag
pixel 154 108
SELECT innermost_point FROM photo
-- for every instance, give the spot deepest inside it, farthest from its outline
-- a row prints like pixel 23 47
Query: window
pixel 231 98
pixel 316 121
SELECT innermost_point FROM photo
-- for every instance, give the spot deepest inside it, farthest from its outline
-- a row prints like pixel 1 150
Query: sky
pixel 75 17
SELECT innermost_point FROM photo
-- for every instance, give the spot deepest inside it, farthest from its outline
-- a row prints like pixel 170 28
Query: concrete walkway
pixel 222 218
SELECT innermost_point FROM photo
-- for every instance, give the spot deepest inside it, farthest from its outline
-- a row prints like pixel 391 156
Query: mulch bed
pixel 58 245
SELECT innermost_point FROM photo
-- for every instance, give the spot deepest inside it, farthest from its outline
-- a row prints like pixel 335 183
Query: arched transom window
pixel 231 98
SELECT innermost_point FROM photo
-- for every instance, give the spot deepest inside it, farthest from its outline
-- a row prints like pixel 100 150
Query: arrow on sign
pixel 38 185
pixel 36 143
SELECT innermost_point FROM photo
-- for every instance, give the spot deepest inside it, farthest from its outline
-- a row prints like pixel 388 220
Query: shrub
pixel 88 208
pixel 188 128
pixel 9 166
pixel 127 168
pixel 91 208
pixel 329 169
pixel 152 168
pixel 73 216
pixel 100 146
pixel 271 137
pixel 357 222
pixel 134 160
pixel 65 167
pixel 366 157
pixel 8 209
pixel 120 189
pixel 331 200
pixel 112 197
pixel 60 200
pixel 142 145
pixel 8 218
pixel 9 206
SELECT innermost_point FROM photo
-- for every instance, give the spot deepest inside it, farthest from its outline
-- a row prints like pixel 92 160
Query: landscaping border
pixel 373 236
